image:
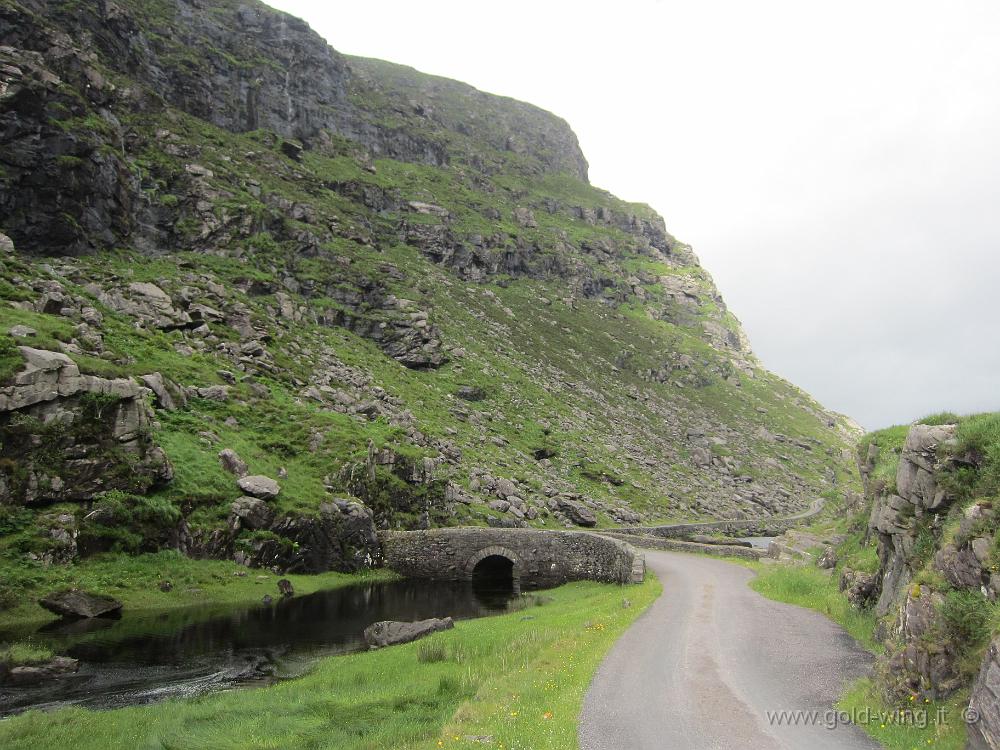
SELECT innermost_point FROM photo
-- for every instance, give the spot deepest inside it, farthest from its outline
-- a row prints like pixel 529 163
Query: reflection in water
pixel 493 580
pixel 146 657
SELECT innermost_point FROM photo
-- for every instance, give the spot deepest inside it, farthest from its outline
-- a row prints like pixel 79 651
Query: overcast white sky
pixel 835 165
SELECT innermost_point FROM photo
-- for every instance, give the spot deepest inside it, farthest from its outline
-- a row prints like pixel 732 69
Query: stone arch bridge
pixel 536 558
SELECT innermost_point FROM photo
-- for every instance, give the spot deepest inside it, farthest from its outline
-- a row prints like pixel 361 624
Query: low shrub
pixel 967 617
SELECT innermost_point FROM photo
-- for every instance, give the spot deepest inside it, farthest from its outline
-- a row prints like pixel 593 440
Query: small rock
pixel 165 586
pixel 214 393
pixel 470 393
pixel 232 462
pixel 22 332
pixel 828 560
pixel 285 588
pixel 267 599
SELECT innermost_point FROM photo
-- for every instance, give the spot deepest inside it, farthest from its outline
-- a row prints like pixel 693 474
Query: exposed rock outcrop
pixel 935 589
pixel 342 537
pixel 925 660
pixel 898 518
pixel 984 704
pixel 71 436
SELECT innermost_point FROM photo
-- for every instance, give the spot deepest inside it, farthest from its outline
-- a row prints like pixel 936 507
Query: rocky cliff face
pixel 70 82
pixel 69 436
pixel 935 588
pixel 395 295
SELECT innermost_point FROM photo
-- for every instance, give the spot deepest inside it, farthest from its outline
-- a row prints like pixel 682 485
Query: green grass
pixel 918 724
pixel 890 443
pixel 944 417
pixel 11 360
pixel 134 581
pixel 519 678
pixel 857 556
pixel 980 435
pixel 14 654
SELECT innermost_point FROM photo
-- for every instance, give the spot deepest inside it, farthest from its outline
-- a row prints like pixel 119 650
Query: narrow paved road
pixel 703 666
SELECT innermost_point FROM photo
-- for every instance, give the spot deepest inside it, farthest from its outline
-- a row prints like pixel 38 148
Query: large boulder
pixel 577 512
pixel 983 714
pixel 77 603
pixel 260 486
pixel 391 632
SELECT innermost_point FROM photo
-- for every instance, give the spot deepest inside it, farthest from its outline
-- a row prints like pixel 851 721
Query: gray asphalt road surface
pixel 711 664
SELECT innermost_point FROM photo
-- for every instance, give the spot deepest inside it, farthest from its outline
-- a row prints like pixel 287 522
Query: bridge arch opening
pixel 495 573
pixel 494 569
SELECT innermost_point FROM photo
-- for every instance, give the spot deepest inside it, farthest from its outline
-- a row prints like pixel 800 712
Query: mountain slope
pixel 379 287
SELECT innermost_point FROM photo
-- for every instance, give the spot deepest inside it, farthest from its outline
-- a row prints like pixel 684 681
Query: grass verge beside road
pixel 516 679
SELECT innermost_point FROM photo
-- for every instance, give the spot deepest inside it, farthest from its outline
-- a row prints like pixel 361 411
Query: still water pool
pixel 145 657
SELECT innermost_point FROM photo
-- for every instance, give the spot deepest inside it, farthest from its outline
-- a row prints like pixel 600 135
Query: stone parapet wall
pixel 676 545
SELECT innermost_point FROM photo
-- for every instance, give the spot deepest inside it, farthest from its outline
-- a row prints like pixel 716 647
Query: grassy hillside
pixel 371 284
